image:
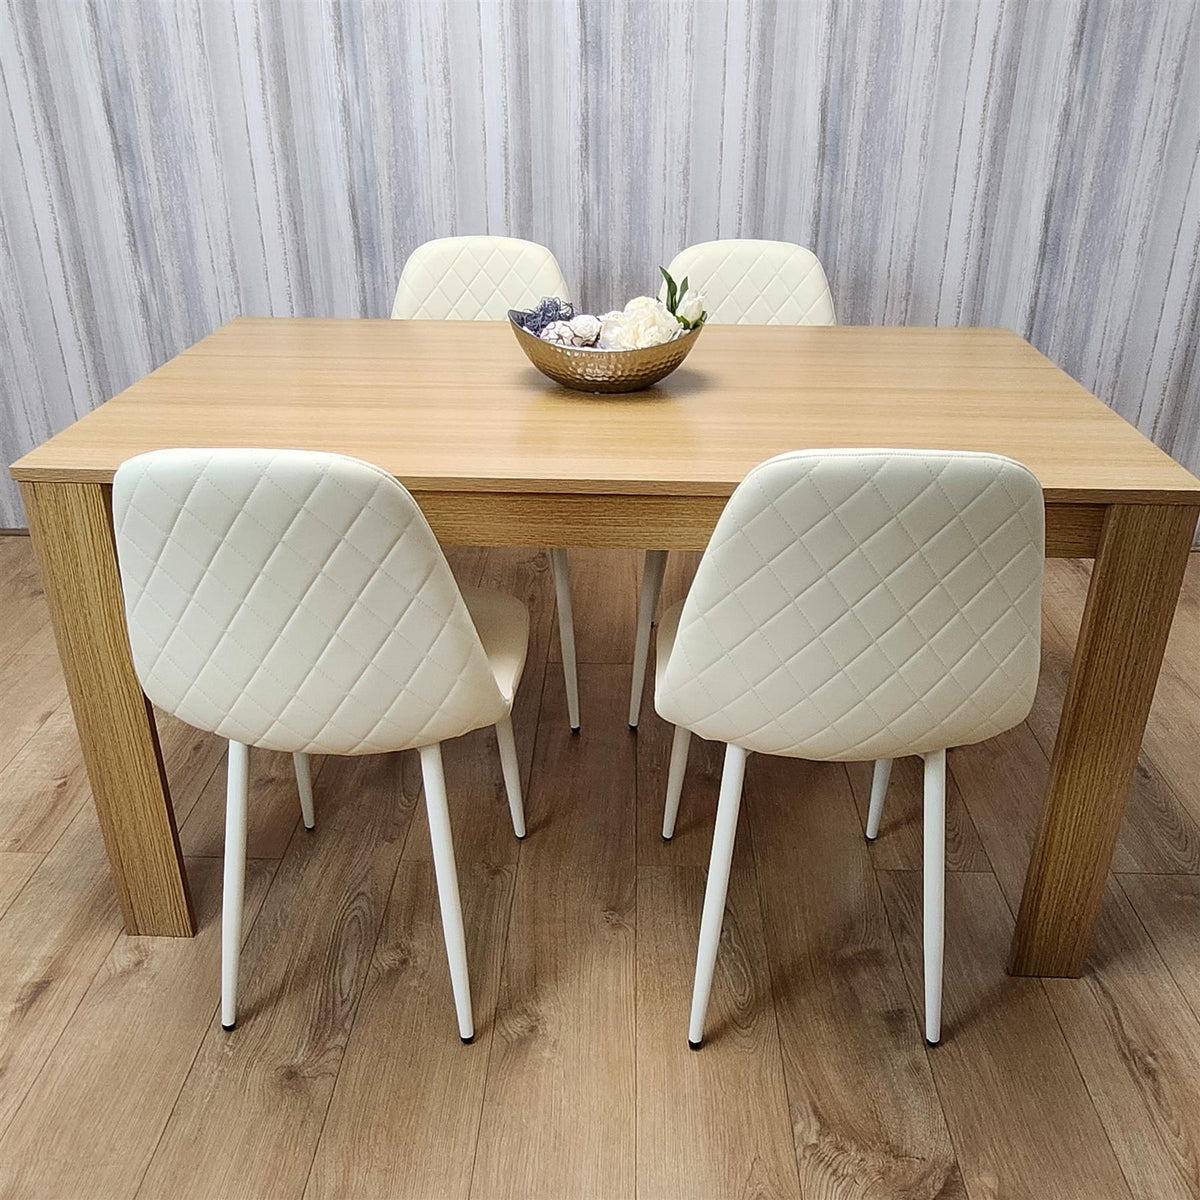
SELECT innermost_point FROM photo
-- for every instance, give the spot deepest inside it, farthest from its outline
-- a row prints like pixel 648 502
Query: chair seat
pixel 502 622
pixel 668 625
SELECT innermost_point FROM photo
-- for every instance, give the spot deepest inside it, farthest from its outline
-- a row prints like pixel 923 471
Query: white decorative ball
pixel 558 332
pixel 585 329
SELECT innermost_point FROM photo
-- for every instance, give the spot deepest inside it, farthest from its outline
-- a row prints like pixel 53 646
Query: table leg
pixel 1135 585
pixel 71 528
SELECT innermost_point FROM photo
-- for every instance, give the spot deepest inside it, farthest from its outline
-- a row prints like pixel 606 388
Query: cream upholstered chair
pixel 476 278
pixel 299 601
pixel 480 278
pixel 852 605
pixel 745 281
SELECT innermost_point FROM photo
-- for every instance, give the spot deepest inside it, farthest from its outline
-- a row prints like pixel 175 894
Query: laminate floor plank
pixel 44 786
pixel 899 844
pixel 865 1114
pixel 1002 782
pixel 23 601
pixel 1169 908
pixel 722 1111
pixel 405 1114
pixel 94 1114
pixel 54 936
pixel 1022 1120
pixel 1138 1045
pixel 247 1120
pixel 15 870
pixel 604 593
pixel 559 1105
pixel 1173 727
pixel 20 583
pixel 33 688
pixel 273 812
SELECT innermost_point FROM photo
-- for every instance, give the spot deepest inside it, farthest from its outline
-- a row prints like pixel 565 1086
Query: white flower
pixel 638 303
pixel 691 307
pixel 644 322
pixel 612 331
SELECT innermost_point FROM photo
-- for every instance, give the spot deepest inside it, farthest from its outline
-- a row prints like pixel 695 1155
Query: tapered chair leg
pixel 566 632
pixel 447 884
pixel 512 773
pixel 718 884
pixel 654 566
pixel 236 787
pixel 934 890
pixel 880 779
pixel 304 786
pixel 675 773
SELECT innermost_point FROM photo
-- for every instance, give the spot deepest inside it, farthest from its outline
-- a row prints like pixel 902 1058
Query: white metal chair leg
pixel 447 885
pixel 718 884
pixel 566 631
pixel 512 773
pixel 654 566
pixel 236 787
pixel 675 773
pixel 879 786
pixel 304 786
pixel 935 890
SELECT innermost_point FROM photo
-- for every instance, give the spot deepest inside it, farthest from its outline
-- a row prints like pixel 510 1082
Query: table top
pixel 451 406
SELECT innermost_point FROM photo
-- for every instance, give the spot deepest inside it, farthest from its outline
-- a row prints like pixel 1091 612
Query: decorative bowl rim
pixel 514 313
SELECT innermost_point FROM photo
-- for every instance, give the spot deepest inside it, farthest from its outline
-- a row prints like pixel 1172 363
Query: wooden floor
pixel 346 1077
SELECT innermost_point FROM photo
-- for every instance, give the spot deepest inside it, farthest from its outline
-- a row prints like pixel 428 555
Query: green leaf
pixel 683 288
pixel 672 291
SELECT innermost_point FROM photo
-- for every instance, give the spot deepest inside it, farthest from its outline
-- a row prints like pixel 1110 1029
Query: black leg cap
pixel 929 1043
pixel 574 728
pixel 633 729
pixel 868 837
pixel 693 1045
pixel 521 837
pixel 667 837
pixel 310 829
pixel 466 1041
pixel 228 1028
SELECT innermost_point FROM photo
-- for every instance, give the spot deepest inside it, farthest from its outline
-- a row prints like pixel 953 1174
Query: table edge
pixel 23 473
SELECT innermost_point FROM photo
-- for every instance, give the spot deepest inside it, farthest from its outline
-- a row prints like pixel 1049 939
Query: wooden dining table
pixel 497 455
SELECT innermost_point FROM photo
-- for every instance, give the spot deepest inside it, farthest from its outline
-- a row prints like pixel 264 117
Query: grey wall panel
pixel 168 164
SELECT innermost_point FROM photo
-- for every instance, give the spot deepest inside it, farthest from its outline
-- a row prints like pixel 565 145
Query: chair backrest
pixel 476 279
pixel 294 600
pixel 750 282
pixel 860 604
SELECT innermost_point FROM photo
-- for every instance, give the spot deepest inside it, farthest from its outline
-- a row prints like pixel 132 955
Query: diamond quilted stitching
pixel 476 278
pixel 295 601
pixel 747 281
pixel 864 604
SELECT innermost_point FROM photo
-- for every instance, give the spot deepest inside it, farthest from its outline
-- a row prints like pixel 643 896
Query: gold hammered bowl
pixel 589 370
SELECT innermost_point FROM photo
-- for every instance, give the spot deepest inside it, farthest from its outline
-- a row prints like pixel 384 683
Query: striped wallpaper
pixel 168 164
